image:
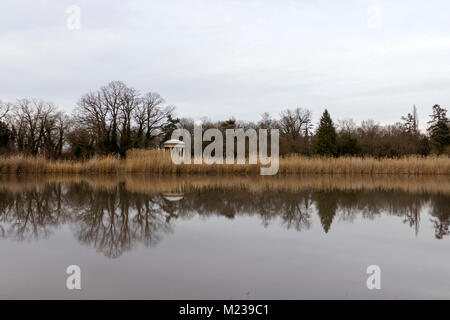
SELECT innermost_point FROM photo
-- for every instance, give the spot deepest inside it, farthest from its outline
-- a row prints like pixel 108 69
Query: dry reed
pixel 157 162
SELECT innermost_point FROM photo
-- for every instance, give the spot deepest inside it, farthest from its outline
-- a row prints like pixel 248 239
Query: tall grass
pixel 158 162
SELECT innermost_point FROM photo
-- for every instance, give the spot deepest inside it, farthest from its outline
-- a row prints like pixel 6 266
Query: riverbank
pixel 157 162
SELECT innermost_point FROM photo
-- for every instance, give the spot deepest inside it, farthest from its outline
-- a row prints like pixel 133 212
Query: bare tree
pixel 4 110
pixel 296 128
pixel 35 125
pixel 129 100
pixel 267 122
pixel 118 118
pixel 156 116
pixel 62 125
pixel 295 122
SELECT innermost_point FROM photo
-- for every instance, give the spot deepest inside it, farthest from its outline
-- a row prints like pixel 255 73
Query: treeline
pixel 117 118
pixel 111 120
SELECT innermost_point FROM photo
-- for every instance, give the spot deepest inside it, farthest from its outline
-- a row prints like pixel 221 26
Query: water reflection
pixel 114 214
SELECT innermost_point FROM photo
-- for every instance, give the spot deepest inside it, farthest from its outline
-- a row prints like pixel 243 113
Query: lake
pixel 303 237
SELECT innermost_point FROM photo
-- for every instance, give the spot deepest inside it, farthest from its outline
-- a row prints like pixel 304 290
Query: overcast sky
pixel 359 59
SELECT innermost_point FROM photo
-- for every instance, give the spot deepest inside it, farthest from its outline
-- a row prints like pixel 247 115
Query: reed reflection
pixel 113 217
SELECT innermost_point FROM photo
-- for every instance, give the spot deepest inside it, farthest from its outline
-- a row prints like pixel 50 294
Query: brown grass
pixel 157 162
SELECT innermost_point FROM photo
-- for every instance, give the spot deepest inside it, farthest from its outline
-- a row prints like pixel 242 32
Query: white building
pixel 174 145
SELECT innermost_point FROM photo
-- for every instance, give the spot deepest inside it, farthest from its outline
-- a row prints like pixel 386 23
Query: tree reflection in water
pixel 114 218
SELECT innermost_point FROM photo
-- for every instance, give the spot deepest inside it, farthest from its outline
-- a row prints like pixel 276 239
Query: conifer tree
pixel 439 129
pixel 326 144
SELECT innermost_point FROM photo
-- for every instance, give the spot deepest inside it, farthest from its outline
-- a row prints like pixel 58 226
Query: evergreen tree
pixel 169 127
pixel 229 124
pixel 439 129
pixel 5 135
pixel 326 144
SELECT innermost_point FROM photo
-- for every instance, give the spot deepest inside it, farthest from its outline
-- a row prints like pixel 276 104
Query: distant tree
pixel 4 109
pixel 188 124
pixel 228 124
pixel 117 118
pixel 347 141
pixel 326 144
pixel 348 145
pixel 412 141
pixel 423 145
pixel 5 136
pixel 439 129
pixel 62 125
pixel 267 122
pixel 295 130
pixel 369 135
pixel 81 142
pixel 295 122
pixel 169 127
pixel 151 116
pixel 36 126
pixel 411 122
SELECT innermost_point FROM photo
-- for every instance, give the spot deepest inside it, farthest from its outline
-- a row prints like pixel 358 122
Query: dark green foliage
pixel 423 146
pixel 439 129
pixel 169 127
pixel 348 145
pixel 326 143
pixel 5 136
pixel 229 124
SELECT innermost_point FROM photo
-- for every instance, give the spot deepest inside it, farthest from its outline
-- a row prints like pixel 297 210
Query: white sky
pixel 235 58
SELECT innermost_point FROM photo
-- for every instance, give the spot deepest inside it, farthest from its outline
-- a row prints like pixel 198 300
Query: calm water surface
pixel 162 238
